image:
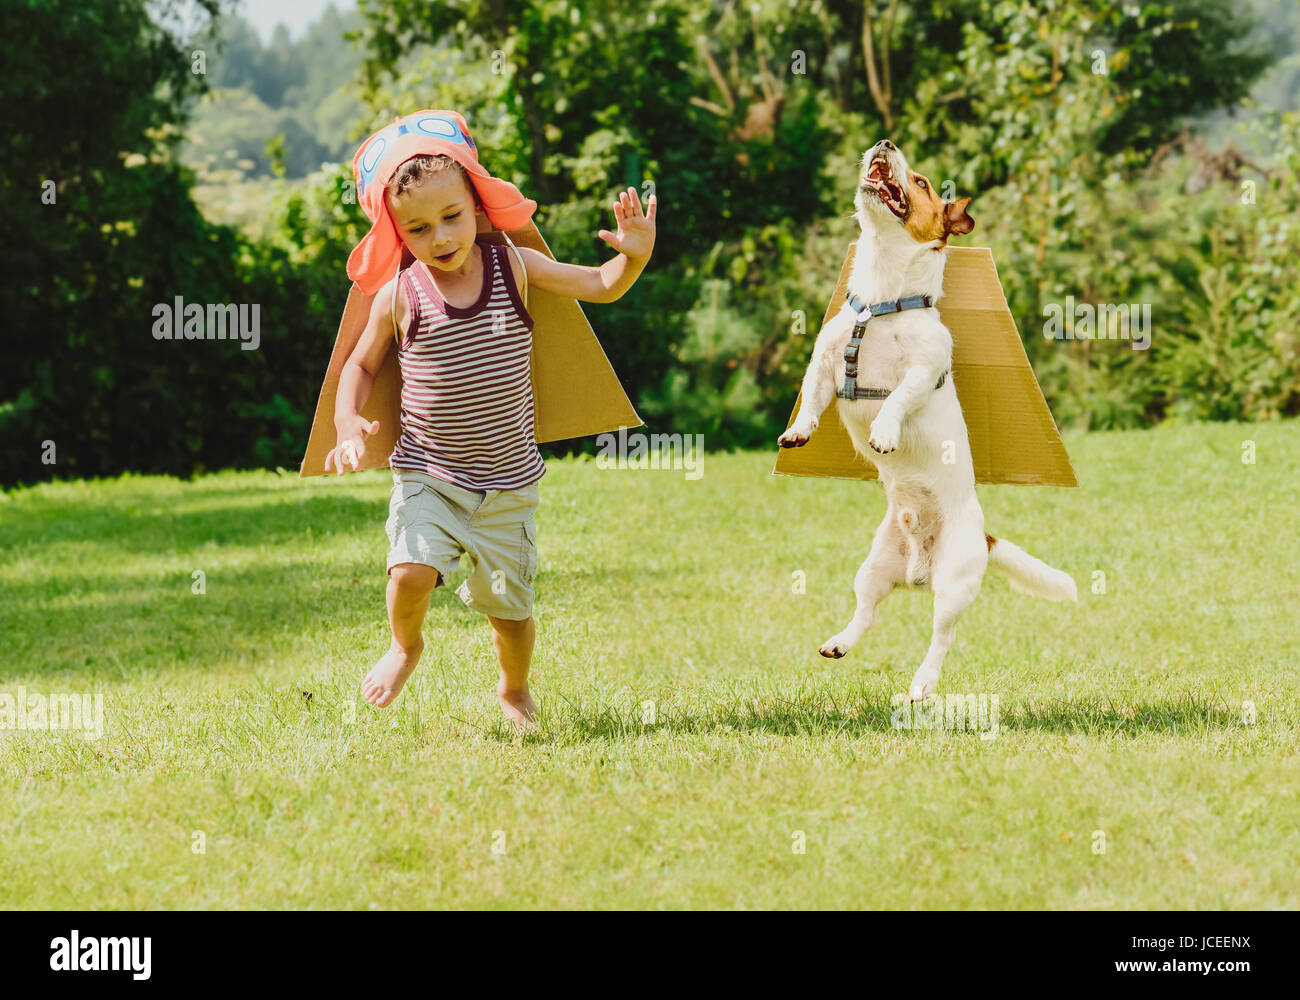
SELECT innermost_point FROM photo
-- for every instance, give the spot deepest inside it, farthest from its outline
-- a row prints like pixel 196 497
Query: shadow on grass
pixel 146 529
pixel 246 616
pixel 820 716
pixel 112 611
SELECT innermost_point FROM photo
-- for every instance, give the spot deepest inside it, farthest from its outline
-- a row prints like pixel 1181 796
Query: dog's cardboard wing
pixel 1013 438
pixel 575 391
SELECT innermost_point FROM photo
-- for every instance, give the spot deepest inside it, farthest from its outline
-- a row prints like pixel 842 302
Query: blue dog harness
pixel 850 389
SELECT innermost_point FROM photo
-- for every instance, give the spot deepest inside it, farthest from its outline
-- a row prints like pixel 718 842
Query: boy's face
pixel 438 220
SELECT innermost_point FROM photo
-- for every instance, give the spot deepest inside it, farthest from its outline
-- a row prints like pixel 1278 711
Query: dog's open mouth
pixel 880 179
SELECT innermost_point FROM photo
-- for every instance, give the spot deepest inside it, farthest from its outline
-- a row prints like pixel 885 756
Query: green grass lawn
pixel 1126 721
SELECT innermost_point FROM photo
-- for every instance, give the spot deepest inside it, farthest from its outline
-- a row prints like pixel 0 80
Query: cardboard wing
pixel 1013 438
pixel 575 391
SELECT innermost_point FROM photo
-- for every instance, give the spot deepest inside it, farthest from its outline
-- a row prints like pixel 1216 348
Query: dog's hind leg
pixel 956 571
pixel 879 573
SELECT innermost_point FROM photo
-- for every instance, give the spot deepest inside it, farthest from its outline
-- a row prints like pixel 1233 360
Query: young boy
pixel 466 465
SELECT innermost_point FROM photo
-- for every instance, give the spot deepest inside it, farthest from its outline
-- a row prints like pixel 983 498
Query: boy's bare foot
pixel 519 708
pixel 385 680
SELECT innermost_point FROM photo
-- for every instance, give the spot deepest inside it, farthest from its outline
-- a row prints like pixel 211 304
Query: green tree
pixel 98 229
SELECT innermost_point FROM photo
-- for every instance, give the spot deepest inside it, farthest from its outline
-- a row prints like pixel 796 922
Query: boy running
pixel 466 465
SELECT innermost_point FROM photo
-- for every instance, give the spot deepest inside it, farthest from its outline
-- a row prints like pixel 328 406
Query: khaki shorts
pixel 432 522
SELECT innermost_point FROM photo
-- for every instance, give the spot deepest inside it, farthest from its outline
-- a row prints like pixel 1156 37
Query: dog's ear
pixel 955 219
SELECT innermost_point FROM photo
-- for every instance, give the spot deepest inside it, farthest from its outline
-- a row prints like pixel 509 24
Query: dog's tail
pixel 1029 575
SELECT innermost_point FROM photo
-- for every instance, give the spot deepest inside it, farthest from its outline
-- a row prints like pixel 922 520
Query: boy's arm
pixel 358 376
pixel 634 241
pixel 367 357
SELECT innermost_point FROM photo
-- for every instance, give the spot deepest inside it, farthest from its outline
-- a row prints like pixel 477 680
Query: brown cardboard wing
pixel 1013 438
pixel 575 391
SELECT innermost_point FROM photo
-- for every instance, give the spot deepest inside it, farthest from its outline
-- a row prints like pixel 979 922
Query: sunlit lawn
pixel 692 740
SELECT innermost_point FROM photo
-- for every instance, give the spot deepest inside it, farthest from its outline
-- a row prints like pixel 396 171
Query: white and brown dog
pixel 933 532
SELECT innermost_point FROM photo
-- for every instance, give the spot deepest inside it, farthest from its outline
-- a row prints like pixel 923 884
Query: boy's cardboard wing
pixel 575 391
pixel 1013 438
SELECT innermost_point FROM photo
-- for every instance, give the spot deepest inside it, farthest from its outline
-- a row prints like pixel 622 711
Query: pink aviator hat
pixel 375 259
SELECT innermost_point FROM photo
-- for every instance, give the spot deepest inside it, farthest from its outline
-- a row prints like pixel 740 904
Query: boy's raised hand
pixel 636 232
pixel 351 443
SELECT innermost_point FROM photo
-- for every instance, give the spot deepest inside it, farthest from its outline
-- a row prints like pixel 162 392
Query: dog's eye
pixel 920 182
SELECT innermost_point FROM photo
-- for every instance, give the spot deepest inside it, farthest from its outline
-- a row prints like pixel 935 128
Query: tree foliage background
pixel 1079 127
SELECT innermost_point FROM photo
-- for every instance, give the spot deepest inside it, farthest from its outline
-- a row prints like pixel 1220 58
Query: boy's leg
pixel 503 545
pixel 409 587
pixel 424 529
pixel 513 641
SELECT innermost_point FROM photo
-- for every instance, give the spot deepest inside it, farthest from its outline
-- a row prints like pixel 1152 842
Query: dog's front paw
pixel 797 435
pixel 884 434
pixel 834 647
pixel 923 684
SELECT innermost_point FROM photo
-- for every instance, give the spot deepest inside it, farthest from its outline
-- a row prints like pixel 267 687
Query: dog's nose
pixel 887 144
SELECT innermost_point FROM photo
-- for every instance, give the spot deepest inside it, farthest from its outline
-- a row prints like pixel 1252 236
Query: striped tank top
pixel 467 402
